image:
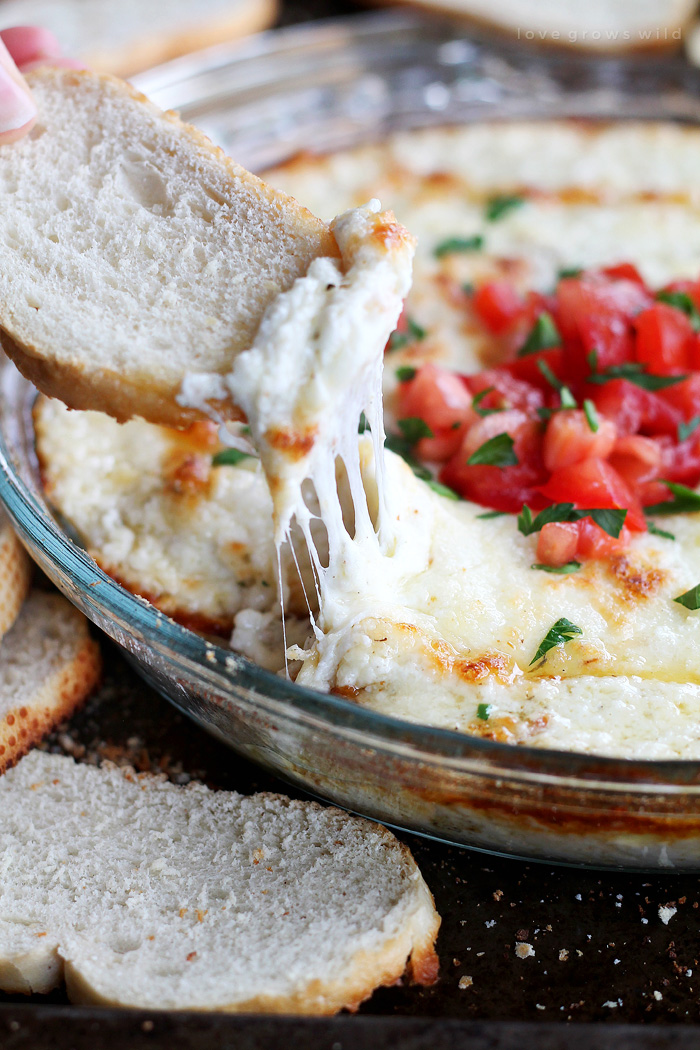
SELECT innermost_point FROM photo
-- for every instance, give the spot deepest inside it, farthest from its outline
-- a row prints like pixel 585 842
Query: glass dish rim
pixel 177 643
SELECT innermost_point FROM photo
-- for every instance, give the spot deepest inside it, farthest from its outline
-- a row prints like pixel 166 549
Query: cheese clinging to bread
pixel 143 894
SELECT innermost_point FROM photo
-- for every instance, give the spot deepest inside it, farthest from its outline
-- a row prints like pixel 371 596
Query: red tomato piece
pixel 502 488
pixel 663 339
pixel 438 397
pixel 624 271
pixel 594 542
pixel 684 397
pixel 557 542
pixel 681 462
pixel 498 304
pixel 595 313
pixel 691 288
pixel 633 409
pixel 594 483
pixel 441 446
pixel 637 459
pixel 569 439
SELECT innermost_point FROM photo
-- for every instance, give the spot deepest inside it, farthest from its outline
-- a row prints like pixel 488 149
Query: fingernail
pixel 17 106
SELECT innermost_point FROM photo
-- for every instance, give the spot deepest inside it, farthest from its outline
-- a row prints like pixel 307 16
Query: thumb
pixel 17 108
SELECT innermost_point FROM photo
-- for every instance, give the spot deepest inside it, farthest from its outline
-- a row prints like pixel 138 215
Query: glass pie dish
pixel 331 86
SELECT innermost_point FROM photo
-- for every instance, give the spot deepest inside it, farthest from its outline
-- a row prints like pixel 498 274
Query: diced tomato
pixel 684 397
pixel 441 446
pixel 594 542
pixel 595 313
pixel 557 542
pixel 438 397
pixel 484 429
pixel 681 461
pixel 498 304
pixel 624 271
pixel 636 459
pixel 594 483
pixel 569 439
pixel 663 339
pixel 503 488
pixel 633 409
pixel 508 391
pixel 690 288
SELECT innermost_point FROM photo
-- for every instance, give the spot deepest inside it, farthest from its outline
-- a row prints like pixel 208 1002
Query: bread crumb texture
pixel 141 893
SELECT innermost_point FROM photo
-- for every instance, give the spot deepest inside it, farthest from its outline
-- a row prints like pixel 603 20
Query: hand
pixel 23 48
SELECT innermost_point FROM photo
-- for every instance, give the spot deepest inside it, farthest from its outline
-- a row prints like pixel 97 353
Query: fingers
pixel 30 44
pixel 17 108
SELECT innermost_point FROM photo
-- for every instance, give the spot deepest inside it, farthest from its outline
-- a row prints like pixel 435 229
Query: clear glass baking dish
pixel 328 86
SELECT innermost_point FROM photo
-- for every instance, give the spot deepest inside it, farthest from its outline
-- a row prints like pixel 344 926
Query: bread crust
pixel 15 576
pixel 82 384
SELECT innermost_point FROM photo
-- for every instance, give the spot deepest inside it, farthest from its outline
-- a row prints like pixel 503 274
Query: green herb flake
pixel 415 330
pixel 569 271
pixel 559 570
pixel 591 414
pixel 592 359
pixel 483 711
pixel 414 334
pixel 567 398
pixel 562 631
pixel 686 429
pixel 544 369
pixel 557 512
pixel 478 398
pixel 682 302
pixel 230 457
pixel 497 207
pixel 610 519
pixel 656 531
pixel 454 245
pixel 492 514
pixel 496 452
pixel 686 500
pixel 363 425
pixel 691 598
pixel 414 428
pixel 468 288
pixel 405 374
pixel 443 490
pixel 543 335
pixel 637 374
pixel 401 447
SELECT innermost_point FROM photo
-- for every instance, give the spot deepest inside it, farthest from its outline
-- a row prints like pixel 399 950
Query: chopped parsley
pixel 562 631
pixel 405 374
pixel 549 375
pixel 443 490
pixel 610 520
pixel 682 302
pixel 402 447
pixel 478 398
pixel 543 335
pixel 634 373
pixel 691 598
pixel 496 452
pixel 453 245
pixel 591 415
pixel 414 334
pixel 230 457
pixel 497 207
pixel 468 288
pixel 656 531
pixel 568 271
pixel 557 512
pixel 559 570
pixel 492 514
pixel 686 429
pixel 686 500
pixel 567 398
pixel 414 428
pixel 483 711
pixel 363 425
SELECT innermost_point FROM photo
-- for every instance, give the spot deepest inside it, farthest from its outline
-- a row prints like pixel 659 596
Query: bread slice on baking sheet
pixel 48 666
pixel 598 25
pixel 141 893
pixel 132 251
pixel 15 574
pixel 125 36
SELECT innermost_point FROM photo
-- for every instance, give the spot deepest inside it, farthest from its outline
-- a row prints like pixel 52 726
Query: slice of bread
pixel 15 575
pixel 131 35
pixel 598 25
pixel 132 251
pixel 140 893
pixel 48 666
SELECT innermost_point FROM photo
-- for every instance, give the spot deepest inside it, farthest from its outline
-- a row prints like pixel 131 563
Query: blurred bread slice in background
pixel 15 575
pixel 126 36
pixel 597 25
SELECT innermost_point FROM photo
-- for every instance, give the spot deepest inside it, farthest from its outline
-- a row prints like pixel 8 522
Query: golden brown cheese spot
pixel 202 436
pixel 348 692
pixel 635 580
pixel 448 661
pixel 294 444
pixel 187 475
